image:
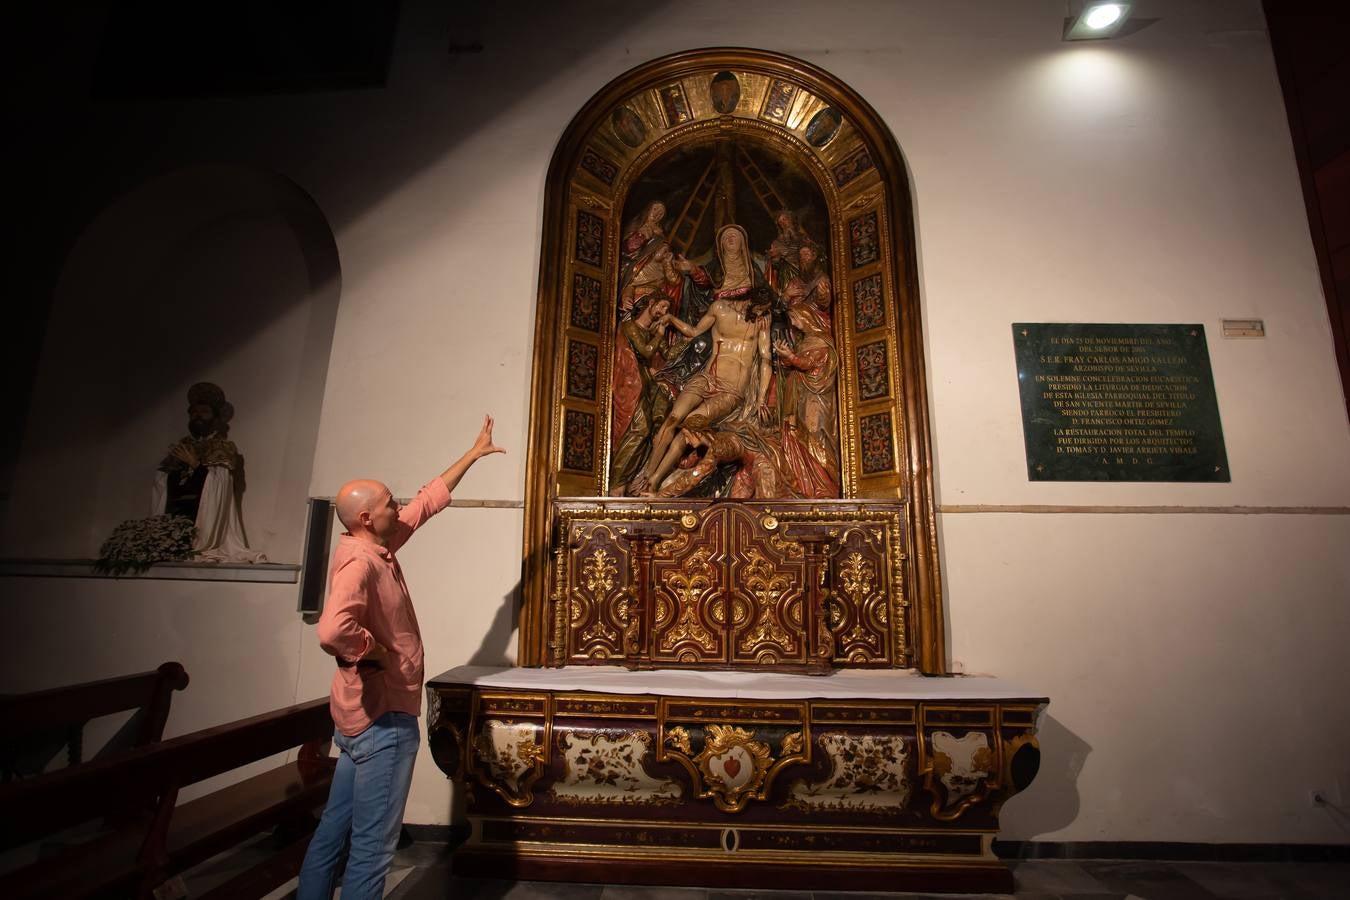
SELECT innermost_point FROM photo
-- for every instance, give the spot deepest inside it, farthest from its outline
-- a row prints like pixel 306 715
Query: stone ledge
pixel 267 573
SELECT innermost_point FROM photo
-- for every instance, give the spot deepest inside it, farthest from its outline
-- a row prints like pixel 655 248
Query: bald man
pixel 369 625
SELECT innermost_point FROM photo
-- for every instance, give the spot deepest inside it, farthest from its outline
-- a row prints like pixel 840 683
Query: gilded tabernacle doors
pixel 728 309
pixel 710 590
pixel 763 613
pixel 803 586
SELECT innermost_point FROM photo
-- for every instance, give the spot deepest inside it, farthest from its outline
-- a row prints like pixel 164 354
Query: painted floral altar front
pixel 899 789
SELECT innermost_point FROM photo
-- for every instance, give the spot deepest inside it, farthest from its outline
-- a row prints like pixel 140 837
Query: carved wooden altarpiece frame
pixel 781 106
pixel 865 780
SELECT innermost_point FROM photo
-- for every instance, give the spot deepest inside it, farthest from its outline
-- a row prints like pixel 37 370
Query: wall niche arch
pixel 220 272
pixel 732 136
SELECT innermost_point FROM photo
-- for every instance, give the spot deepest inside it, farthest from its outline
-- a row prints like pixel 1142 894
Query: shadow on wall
pixel 212 273
pixel 499 644
pixel 497 648
pixel 1052 802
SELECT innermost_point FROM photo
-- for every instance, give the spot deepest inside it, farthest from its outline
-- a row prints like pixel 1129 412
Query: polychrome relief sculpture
pixel 725 368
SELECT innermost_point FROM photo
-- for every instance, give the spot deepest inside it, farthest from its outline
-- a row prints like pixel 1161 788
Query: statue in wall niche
pixel 202 478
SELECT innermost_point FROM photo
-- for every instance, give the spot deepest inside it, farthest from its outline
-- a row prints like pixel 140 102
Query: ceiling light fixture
pixel 1097 20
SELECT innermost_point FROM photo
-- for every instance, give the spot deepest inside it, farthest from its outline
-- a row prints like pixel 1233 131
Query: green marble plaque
pixel 1118 403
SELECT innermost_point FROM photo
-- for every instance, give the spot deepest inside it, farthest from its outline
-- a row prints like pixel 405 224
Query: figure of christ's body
pixel 740 347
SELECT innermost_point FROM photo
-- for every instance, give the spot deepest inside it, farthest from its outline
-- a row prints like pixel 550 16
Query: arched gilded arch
pixel 752 108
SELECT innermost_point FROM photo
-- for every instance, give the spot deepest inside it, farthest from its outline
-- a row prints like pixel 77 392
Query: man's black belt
pixel 369 665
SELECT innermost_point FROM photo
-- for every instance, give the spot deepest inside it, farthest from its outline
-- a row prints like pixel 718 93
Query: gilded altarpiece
pixel 728 309
pixel 730 469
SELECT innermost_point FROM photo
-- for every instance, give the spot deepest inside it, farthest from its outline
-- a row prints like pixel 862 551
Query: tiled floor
pixel 1038 879
pixel 422 872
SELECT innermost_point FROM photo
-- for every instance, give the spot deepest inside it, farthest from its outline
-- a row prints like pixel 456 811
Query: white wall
pixel 1193 661
pixel 241 645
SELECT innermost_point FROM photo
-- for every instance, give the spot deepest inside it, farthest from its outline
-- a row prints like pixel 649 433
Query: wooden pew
pixel 153 838
pixel 45 721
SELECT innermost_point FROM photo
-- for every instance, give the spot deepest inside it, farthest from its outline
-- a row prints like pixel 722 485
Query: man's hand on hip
pixel 375 656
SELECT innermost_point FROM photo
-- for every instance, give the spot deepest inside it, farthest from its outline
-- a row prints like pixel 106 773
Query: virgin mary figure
pixel 730 274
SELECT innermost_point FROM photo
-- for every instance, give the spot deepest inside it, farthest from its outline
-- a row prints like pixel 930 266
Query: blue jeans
pixel 370 788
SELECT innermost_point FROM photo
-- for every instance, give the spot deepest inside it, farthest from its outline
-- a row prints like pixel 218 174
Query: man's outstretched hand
pixel 483 445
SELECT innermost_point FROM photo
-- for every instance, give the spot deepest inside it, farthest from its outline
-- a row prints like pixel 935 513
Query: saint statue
pixel 201 478
pixel 810 286
pixel 783 252
pixel 810 424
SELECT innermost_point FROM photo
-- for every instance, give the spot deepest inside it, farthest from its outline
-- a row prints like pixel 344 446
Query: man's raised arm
pixel 482 446
pixel 430 499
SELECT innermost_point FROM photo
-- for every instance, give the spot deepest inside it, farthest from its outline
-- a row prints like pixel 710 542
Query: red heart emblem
pixel 731 766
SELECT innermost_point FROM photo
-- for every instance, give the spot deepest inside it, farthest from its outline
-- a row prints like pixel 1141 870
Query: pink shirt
pixel 367 597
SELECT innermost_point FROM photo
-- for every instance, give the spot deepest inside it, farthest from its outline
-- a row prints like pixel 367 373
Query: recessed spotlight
pixel 1097 20
pixel 1101 16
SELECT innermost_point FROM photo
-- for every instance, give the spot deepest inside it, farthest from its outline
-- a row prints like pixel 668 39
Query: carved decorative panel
pixel 863 240
pixel 585 303
pixel 769 597
pixel 777 101
pixel 578 440
pixel 689 622
pixel 674 105
pixel 856 165
pixel 873 375
pixel 597 608
pixel 878 443
pixel 581 370
pixel 599 166
pixel 791 585
pixel 868 312
pixel 590 238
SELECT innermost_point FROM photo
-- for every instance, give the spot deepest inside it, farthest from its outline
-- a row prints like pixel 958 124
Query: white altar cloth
pixel 842 684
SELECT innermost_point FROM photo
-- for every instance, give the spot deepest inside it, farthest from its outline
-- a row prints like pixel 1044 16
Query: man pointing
pixel 369 625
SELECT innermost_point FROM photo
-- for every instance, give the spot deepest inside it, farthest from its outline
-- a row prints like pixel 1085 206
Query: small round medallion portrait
pixel 726 92
pixel 823 126
pixel 628 126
